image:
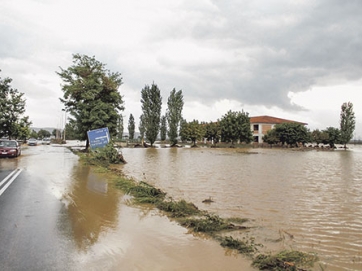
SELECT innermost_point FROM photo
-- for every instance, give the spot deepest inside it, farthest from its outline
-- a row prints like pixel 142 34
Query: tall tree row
pixel 131 127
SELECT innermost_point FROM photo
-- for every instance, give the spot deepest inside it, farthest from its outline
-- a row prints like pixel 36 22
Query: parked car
pixel 9 148
pixel 46 141
pixel 32 142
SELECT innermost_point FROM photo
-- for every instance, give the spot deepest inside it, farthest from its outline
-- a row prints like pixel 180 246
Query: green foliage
pixel 70 130
pixel 347 123
pixel 292 133
pixel 209 223
pixel 151 101
pixel 141 127
pixel 43 133
pixel 163 130
pixel 242 246
pixel 192 131
pixel 175 105
pixel 236 126
pixel 145 193
pixel 12 108
pixel 285 260
pixel 120 127
pixel 91 95
pixel 33 134
pixel 178 208
pixel 131 127
pixel 271 137
pixel 333 136
pixel 213 131
pixel 104 156
pixel 319 137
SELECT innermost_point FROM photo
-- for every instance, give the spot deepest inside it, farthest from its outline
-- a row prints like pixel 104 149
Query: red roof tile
pixel 271 120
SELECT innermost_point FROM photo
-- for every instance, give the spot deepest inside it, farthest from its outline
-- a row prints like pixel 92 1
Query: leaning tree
pixel 91 95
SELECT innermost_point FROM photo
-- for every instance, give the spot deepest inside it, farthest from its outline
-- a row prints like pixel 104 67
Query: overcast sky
pixel 296 59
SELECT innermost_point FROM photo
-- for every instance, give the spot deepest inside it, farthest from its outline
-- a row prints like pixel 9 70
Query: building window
pixel 256 127
pixel 256 139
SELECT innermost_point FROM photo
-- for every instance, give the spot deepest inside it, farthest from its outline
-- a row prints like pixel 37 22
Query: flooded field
pixel 302 200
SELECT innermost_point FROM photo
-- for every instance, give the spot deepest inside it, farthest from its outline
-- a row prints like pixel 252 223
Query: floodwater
pixel 302 200
pixel 103 231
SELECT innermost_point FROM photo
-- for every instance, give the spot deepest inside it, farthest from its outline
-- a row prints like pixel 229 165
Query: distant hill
pixel 36 129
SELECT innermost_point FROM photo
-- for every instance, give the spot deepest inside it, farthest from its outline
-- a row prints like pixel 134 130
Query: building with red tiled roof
pixel 260 125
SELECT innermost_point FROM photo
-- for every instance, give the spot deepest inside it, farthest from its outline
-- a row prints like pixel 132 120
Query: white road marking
pixel 9 179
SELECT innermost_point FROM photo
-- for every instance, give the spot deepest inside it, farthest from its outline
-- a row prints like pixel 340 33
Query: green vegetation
pixel 103 156
pixel 91 96
pixel 131 127
pixel 163 129
pixel 285 260
pixel 175 105
pixel 244 247
pixel 191 131
pixel 178 208
pixel 347 123
pixel 13 123
pixel 151 101
pixel 235 126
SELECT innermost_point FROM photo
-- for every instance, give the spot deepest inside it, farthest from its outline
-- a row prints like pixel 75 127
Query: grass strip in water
pixel 285 260
pixel 178 208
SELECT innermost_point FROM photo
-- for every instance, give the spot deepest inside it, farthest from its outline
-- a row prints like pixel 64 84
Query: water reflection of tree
pixel 93 208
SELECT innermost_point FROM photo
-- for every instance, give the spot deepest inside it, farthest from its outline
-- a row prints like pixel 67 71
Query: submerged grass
pixel 285 260
pixel 189 216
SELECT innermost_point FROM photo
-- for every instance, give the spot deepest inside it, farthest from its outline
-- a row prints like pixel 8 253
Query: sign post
pixel 98 138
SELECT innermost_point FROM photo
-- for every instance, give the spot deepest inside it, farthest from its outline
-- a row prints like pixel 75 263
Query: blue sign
pixel 98 138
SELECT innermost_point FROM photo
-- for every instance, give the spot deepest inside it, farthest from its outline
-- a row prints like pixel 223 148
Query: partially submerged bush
pixel 245 247
pixel 285 260
pixel 178 208
pixel 209 223
pixel 104 156
pixel 145 193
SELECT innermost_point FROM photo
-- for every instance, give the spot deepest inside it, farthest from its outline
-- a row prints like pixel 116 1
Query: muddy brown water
pixel 105 230
pixel 303 200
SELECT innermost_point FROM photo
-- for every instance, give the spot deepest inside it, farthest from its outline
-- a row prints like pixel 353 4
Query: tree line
pixel 92 99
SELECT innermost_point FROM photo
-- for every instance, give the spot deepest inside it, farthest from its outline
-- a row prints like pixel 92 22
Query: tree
pixel 334 135
pixel 213 131
pixel 271 137
pixel 131 127
pixel 163 129
pixel 192 131
pixel 120 127
pixel 70 131
pixel 236 126
pixel 142 128
pixel 292 133
pixel 12 108
pixel 151 101
pixel 175 105
pixel 91 95
pixel 43 133
pixel 347 123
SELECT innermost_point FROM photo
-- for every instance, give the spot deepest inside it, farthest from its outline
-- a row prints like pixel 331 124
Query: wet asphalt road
pixel 33 223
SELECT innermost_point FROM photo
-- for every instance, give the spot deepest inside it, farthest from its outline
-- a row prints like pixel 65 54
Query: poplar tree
pixel 175 105
pixel 141 128
pixel 347 123
pixel 163 129
pixel 131 127
pixel 151 101
pixel 91 95
pixel 120 127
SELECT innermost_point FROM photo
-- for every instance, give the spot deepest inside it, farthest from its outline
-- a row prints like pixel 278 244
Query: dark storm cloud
pixel 276 49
